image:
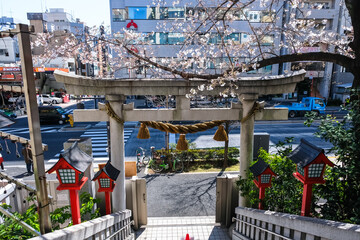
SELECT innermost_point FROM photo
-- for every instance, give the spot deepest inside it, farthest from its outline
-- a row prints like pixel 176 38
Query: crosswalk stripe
pixel 99 140
pixel 104 131
pixel 99 149
pixel 101 134
pixel 99 145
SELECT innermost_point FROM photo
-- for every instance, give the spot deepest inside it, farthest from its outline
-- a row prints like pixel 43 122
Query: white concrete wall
pixel 287 225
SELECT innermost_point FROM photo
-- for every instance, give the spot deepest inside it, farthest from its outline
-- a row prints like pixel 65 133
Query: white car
pixel 46 98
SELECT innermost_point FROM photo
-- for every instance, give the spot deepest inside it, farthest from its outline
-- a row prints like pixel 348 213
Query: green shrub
pixel 11 229
pixel 285 194
pixel 342 187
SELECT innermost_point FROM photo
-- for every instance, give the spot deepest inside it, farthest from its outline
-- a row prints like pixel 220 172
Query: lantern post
pixel 106 177
pixel 263 176
pixel 310 167
pixel 70 172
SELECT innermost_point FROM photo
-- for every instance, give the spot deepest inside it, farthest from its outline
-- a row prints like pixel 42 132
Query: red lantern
pixel 263 176
pixel 106 177
pixel 70 172
pixel 310 166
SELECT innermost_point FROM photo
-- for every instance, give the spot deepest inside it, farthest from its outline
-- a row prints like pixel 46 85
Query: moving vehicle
pixel 46 98
pixel 307 104
pixel 9 114
pixel 53 114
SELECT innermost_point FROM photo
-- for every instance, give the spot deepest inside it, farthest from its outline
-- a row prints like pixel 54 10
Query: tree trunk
pixel 226 148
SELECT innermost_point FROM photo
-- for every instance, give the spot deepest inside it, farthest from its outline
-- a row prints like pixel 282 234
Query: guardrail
pixel 112 226
pixel 258 224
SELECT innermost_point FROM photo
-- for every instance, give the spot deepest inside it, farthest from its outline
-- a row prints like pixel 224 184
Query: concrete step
pixel 198 227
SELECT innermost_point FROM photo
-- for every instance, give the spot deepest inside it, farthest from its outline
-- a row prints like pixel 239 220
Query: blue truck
pixel 307 104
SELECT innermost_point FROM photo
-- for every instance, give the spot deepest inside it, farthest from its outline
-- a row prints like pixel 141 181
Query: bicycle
pixel 158 164
pixel 141 158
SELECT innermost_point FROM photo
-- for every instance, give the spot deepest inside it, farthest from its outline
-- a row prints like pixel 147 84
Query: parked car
pixel 17 99
pixel 46 98
pixel 53 114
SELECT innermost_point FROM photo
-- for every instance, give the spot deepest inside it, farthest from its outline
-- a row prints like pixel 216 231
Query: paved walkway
pixel 176 228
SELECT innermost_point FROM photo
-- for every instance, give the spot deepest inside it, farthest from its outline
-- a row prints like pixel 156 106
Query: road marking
pixel 99 141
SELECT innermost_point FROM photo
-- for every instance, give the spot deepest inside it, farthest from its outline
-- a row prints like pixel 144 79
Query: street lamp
pixel 70 172
pixel 310 166
pixel 263 175
pixel 106 177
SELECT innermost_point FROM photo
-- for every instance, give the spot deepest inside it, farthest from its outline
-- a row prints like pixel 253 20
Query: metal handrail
pixel 22 223
pixel 262 229
pixel 121 229
pixel 21 184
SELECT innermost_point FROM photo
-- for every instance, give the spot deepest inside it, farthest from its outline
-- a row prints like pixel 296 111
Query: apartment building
pixel 329 15
pixel 142 16
pixel 61 23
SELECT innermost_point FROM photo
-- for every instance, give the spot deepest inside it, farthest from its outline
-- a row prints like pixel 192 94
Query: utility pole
pixel 34 127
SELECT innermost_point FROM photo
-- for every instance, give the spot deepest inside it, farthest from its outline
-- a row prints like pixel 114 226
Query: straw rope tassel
pixel 143 132
pixel 182 143
pixel 220 134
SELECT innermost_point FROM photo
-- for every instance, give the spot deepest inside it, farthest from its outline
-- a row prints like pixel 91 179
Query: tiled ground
pixel 176 228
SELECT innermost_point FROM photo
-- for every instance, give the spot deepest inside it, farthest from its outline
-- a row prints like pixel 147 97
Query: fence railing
pixel 114 226
pixel 258 224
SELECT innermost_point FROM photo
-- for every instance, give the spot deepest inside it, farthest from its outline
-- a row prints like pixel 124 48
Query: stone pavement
pixel 176 228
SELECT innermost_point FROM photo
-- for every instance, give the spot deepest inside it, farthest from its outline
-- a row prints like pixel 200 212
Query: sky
pixel 92 12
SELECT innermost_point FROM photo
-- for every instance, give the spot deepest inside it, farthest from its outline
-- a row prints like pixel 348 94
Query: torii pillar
pixel 118 152
pixel 246 139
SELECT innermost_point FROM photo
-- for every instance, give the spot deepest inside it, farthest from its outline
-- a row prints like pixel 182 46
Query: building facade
pixel 142 16
pixel 60 23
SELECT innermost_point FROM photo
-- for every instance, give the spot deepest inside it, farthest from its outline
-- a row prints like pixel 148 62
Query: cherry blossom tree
pixel 208 35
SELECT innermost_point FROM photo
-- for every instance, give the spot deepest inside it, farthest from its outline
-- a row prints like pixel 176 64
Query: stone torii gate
pixel 116 90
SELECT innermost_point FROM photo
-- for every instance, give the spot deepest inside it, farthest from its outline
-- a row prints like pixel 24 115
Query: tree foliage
pixel 207 35
pixel 285 193
pixel 11 229
pixel 342 187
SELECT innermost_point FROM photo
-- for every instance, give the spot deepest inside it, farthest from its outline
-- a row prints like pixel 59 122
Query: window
pixel 163 38
pixel 267 17
pixel 119 15
pixel 319 102
pixel 60 110
pixel 253 16
pixel 175 38
pixel 323 24
pixel 171 13
pixel 196 13
pixel 149 38
pixel 141 13
pixel 318 5
pixel 215 38
pixel 267 40
pixel 265 178
pixel 300 169
pixel 67 175
pixel 104 182
pixel 244 38
pixel 220 13
pixel 315 170
pixel 3 51
pixel 235 37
